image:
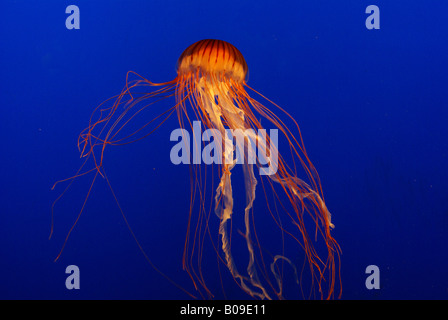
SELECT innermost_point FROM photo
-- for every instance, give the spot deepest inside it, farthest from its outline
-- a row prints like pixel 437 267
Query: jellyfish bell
pixel 213 57
pixel 211 87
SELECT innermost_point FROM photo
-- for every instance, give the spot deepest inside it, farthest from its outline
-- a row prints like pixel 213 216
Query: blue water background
pixel 372 106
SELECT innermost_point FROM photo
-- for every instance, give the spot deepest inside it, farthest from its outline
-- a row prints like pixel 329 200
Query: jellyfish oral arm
pixel 304 195
pixel 224 196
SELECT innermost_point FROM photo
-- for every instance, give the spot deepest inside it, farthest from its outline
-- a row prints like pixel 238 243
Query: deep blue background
pixel 372 106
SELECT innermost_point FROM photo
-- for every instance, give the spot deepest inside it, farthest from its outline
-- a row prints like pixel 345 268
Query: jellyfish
pixel 211 89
